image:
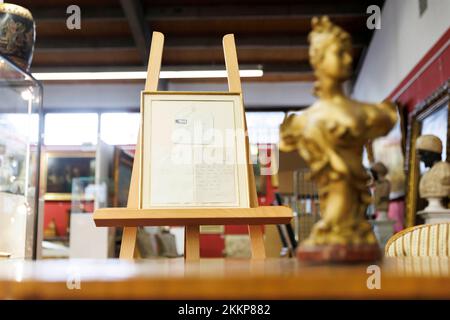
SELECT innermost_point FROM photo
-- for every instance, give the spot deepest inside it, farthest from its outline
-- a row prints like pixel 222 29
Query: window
pixel 264 127
pixel 71 129
pixel 119 128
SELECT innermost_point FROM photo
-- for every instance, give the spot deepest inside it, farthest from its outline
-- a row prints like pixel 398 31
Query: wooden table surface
pixel 221 279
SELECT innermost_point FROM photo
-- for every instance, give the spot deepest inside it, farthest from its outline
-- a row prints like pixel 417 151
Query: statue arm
pixel 380 119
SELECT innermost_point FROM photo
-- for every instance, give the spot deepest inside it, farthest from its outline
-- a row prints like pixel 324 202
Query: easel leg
pixel 128 245
pixel 192 243
pixel 234 85
pixel 257 241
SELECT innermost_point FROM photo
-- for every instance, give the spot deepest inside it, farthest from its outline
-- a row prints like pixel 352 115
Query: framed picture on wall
pixel 429 117
pixel 60 168
pixel 193 150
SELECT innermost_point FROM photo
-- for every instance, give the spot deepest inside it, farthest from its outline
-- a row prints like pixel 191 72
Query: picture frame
pixel 60 167
pixel 437 102
pixel 123 167
pixel 188 159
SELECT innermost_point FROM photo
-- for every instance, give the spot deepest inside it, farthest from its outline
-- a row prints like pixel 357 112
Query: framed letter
pixel 193 150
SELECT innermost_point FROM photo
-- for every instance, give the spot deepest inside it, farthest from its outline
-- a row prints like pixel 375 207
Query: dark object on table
pixel 166 243
pixel 17 34
pixel 156 244
pixel 147 244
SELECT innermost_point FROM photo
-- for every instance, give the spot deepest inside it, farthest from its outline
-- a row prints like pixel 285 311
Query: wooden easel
pixel 132 217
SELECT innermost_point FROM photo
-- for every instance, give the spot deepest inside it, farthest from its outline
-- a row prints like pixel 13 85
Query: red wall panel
pixel 212 245
pixel 429 80
pixel 428 75
pixel 239 229
pixel 59 212
pixel 445 61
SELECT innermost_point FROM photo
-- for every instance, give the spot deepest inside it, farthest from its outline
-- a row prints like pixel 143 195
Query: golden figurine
pixel 330 136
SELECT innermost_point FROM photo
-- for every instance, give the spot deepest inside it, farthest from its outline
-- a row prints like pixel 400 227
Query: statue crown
pixel 323 33
pixel 324 25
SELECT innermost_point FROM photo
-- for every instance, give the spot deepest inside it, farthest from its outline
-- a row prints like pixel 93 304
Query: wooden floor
pixel 220 279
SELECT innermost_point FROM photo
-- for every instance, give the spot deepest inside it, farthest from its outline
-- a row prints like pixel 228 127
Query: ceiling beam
pixel 206 42
pixel 139 27
pixel 304 10
pixel 287 68
pixel 93 43
pixel 180 12
pixel 97 13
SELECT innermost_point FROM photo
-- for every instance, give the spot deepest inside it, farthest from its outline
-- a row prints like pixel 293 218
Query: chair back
pixel 427 240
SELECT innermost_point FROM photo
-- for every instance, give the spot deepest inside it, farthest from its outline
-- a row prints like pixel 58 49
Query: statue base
pixel 339 253
pixel 434 205
pixel 435 216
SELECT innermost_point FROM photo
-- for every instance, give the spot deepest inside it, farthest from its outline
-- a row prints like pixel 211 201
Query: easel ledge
pixel 126 217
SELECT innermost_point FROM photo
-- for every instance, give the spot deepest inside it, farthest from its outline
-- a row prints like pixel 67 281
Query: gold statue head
pixel 330 50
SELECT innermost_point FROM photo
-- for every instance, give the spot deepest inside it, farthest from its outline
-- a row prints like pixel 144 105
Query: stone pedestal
pixel 435 216
pixel 383 228
pixel 434 205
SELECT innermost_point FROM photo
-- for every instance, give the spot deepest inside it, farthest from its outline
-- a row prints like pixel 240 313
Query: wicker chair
pixel 427 240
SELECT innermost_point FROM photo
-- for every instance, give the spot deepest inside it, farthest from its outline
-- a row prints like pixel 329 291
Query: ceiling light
pixel 133 75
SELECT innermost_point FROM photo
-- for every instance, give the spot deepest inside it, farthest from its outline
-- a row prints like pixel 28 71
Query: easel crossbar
pixel 125 217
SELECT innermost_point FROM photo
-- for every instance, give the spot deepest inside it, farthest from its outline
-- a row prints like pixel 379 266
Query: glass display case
pixel 20 114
